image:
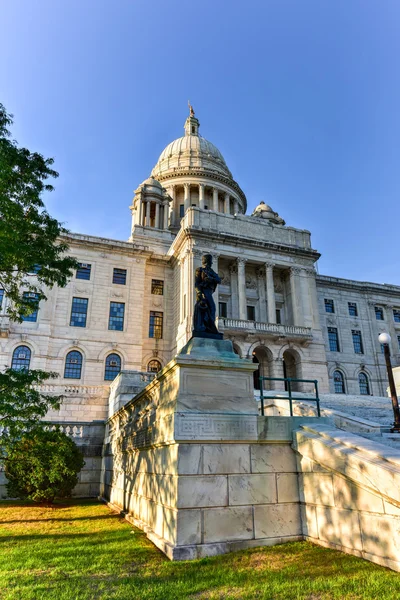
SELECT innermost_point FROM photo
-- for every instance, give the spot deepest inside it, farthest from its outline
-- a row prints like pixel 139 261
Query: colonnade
pixel 228 199
pixel 153 213
pixel 302 289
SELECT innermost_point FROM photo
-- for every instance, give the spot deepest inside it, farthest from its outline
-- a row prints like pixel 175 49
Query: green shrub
pixel 42 465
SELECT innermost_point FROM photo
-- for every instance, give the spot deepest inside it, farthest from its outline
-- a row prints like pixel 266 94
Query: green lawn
pixel 84 551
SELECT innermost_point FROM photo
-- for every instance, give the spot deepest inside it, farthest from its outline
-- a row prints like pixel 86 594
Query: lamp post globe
pixel 385 339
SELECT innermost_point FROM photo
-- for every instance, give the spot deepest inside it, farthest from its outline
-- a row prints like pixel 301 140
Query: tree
pixel 43 465
pixel 21 404
pixel 32 258
pixel 30 240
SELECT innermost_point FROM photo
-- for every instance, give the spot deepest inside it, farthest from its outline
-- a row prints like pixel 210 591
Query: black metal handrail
pixel 288 381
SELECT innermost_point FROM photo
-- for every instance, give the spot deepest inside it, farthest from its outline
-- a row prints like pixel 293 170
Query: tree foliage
pixel 29 237
pixel 43 465
pixel 21 404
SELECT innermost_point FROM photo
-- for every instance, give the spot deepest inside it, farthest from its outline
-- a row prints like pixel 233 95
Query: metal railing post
pixel 317 398
pixel 290 395
pixel 262 396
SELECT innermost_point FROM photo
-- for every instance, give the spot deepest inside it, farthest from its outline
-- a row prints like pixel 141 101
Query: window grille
pixel 156 324
pixel 353 312
pixel 119 276
pixel 154 366
pixel 329 306
pixel 222 311
pixel 338 381
pixel 73 365
pixel 357 342
pixel 333 339
pixel 364 384
pixel 157 287
pixel 116 318
pixel 379 313
pixel 79 312
pixel 21 358
pixel 113 367
pixel 83 271
pixel 396 315
pixel 32 298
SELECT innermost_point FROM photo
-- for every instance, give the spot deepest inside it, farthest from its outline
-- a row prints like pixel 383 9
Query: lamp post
pixel 384 338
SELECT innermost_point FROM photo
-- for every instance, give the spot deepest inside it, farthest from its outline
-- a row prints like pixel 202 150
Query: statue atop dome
pixel 263 211
pixel 191 111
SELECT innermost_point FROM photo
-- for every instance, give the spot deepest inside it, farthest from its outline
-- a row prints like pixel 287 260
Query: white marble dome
pixel 191 152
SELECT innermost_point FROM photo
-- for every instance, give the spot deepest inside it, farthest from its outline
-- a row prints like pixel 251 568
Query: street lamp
pixel 384 339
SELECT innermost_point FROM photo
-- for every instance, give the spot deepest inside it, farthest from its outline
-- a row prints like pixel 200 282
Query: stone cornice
pixel 361 286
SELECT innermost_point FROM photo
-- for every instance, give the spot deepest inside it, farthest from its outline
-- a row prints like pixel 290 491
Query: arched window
pixel 338 381
pixel 154 366
pixel 363 382
pixel 73 365
pixel 113 367
pixel 21 358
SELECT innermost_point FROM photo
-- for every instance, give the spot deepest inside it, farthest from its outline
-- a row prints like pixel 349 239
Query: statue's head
pixel 206 260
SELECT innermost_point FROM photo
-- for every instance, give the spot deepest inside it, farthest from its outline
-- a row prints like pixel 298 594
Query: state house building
pixel 130 304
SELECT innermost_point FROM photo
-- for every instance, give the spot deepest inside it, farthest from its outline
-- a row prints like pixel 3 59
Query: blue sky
pixel 301 96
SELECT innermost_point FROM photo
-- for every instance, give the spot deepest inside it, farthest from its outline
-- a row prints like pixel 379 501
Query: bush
pixel 42 465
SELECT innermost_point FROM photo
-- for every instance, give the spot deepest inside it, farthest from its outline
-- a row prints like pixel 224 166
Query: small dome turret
pixel 263 211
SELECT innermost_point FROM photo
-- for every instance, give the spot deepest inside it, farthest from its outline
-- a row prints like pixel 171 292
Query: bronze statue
pixel 206 281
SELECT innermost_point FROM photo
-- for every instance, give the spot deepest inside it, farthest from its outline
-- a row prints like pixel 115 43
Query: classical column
pixel 234 290
pixel 166 214
pixel 186 201
pixel 294 292
pixel 215 199
pixel 157 223
pixel 216 294
pixel 269 270
pixel 305 274
pixel 201 195
pixel 227 207
pixel 148 206
pixel 242 288
pixel 173 208
pixel 236 207
pixel 261 296
pixel 139 212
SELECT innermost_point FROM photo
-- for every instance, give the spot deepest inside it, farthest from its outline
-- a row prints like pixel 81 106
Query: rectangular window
pixel 333 339
pixel 116 319
pixel 156 324
pixel 329 306
pixel 251 313
pixel 157 287
pixel 378 313
pixel 34 270
pixel 119 276
pixel 396 315
pixel 1 299
pixel 357 342
pixel 79 312
pixel 353 309
pixel 32 297
pixel 181 210
pixel 278 316
pixel 223 312
pixel 83 271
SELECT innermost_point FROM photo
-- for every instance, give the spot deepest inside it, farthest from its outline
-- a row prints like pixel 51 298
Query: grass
pixel 81 551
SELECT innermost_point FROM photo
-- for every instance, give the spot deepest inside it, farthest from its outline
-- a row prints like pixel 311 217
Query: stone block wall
pixel 225 496
pixel 350 493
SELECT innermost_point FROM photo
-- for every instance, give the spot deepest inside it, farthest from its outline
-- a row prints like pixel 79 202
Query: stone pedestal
pixel 191 463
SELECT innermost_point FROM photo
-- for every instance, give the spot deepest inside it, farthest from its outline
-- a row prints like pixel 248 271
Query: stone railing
pixel 72 390
pixel 271 328
pixel 72 430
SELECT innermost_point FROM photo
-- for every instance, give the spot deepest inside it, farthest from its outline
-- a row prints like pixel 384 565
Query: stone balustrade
pixel 225 324
pixel 72 390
